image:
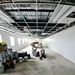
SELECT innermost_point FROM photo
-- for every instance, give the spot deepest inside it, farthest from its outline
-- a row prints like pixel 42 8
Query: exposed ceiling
pixel 39 17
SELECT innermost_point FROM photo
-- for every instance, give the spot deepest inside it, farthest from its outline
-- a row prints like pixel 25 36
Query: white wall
pixel 63 43
pixel 6 38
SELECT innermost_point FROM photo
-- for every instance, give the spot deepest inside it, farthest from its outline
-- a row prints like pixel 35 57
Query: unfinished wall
pixel 6 38
pixel 63 43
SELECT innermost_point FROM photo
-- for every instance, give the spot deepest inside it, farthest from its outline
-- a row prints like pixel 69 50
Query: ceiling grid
pixel 36 15
pixel 22 16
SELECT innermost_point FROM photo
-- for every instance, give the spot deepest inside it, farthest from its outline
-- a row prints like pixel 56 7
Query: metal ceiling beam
pixel 40 22
pixel 31 6
pixel 23 17
pixel 48 20
pixel 28 22
pixel 48 15
pixel 27 15
pixel 30 2
pixel 46 2
pixel 42 26
pixel 34 2
pixel 10 17
pixel 53 27
pixel 51 3
pixel 39 10
pixel 37 16
pixel 59 29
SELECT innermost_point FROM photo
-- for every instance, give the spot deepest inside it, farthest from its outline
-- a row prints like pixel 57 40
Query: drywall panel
pixel 63 43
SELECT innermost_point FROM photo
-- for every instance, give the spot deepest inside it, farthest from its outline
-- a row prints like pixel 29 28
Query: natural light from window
pixel 19 41
pixel 12 41
pixel 0 38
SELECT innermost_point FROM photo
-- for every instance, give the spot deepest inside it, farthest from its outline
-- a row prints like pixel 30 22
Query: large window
pixel 19 41
pixel 0 38
pixel 22 41
pixel 12 41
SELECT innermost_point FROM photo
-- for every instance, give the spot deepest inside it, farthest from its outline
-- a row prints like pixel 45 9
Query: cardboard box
pixel 2 48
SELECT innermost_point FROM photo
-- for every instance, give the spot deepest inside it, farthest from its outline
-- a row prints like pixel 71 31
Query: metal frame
pixel 23 17
pixel 42 4
pixel 37 16
pixel 48 21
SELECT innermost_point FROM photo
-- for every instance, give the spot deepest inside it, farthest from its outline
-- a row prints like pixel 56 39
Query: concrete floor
pixel 54 64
